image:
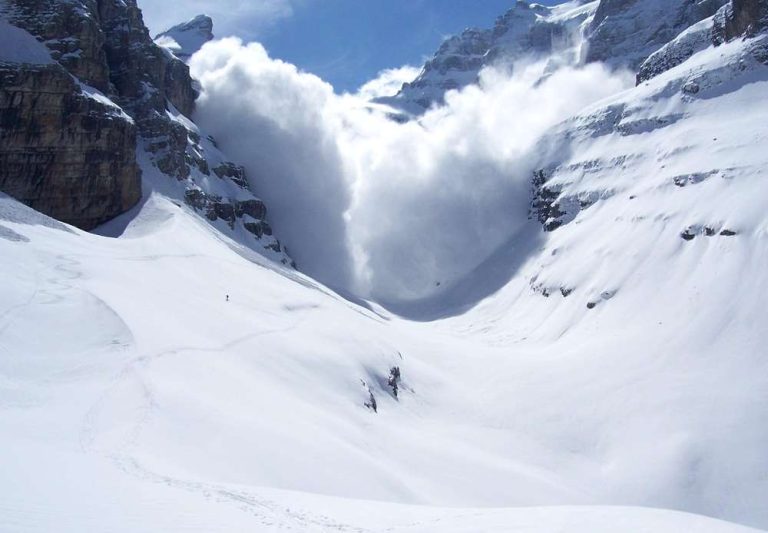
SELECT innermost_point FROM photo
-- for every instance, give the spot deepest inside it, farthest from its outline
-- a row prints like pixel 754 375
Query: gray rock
pixel 254 208
pixel 234 172
pixel 741 18
pixel 62 152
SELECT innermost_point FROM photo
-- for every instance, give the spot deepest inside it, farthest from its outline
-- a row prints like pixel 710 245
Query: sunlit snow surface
pixel 135 397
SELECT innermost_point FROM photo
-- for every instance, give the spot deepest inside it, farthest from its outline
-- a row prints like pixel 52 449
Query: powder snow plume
pixel 388 210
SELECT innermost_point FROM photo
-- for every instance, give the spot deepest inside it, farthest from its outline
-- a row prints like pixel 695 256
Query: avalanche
pixel 607 375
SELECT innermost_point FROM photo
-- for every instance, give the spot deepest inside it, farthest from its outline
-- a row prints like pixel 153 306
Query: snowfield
pixel 610 375
pixel 136 398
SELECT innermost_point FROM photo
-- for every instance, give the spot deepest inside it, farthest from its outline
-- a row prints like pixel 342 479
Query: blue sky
pixel 345 42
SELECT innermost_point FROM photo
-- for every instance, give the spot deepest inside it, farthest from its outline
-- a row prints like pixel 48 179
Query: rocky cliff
pixel 741 18
pixel 63 152
pixel 88 100
pixel 65 148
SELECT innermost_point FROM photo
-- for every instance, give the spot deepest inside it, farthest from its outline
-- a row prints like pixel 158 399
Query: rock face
pixel 681 48
pixel 63 152
pixel 65 148
pixel 185 39
pixel 71 155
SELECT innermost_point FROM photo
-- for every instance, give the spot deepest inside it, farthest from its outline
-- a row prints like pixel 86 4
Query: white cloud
pixel 388 210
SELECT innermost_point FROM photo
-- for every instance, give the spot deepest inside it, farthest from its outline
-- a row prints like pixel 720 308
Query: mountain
pixel 526 30
pixel 183 40
pixel 606 370
pixel 90 104
pixel 620 33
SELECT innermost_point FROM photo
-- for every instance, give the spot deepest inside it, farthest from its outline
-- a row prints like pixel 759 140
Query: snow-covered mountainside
pixel 626 32
pixel 183 40
pixel 606 370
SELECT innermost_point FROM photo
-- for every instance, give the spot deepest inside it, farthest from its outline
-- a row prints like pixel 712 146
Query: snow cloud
pixel 391 211
pixel 388 82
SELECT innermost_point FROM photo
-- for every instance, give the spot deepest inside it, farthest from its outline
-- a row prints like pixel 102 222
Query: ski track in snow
pixel 134 370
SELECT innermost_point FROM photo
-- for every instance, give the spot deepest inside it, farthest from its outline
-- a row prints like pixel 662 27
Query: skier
pixel 227 297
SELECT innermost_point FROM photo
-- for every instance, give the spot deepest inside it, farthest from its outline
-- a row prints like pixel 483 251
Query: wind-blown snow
pixel 387 83
pixel 388 210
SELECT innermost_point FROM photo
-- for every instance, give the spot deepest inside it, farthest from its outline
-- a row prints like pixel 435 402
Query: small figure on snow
pixel 227 297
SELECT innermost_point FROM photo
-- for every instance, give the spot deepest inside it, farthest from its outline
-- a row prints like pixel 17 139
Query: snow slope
pixel 157 405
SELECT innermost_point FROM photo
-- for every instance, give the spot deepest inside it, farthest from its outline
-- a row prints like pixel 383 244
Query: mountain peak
pixel 184 39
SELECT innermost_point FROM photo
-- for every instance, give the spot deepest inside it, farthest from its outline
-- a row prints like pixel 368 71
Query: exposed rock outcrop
pixel 739 18
pixel 63 152
pixel 250 214
pixel 680 49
